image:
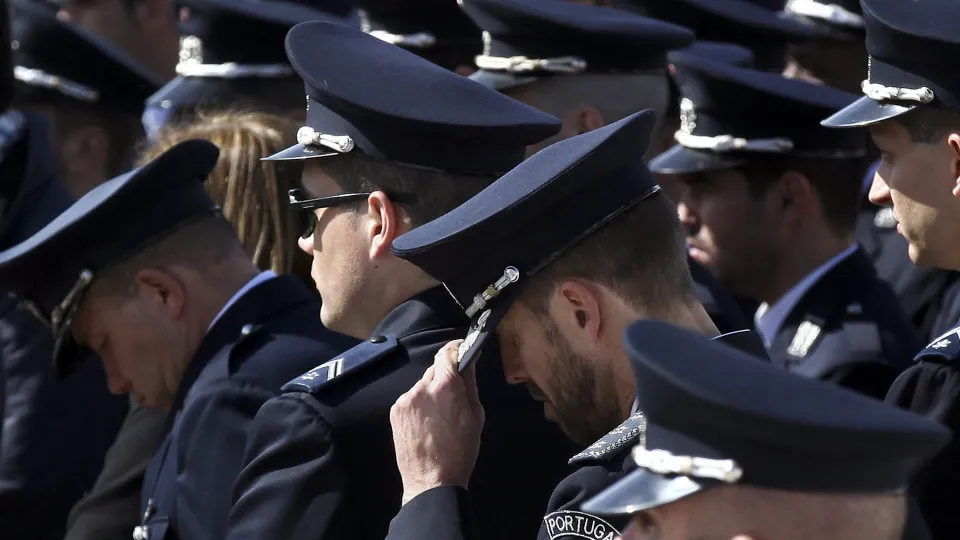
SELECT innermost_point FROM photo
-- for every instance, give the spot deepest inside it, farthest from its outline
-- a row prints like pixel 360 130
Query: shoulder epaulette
pixel 631 430
pixel 364 354
pixel 946 346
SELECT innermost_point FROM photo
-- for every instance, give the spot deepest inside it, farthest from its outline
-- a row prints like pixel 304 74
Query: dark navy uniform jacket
pixel 930 297
pixel 270 334
pixel 847 328
pixel 55 432
pixel 445 513
pixel 931 387
pixel 320 462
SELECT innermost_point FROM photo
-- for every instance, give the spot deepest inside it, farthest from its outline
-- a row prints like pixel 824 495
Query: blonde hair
pixel 251 193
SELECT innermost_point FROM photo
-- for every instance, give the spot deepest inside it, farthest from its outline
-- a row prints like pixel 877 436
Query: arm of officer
pixel 292 482
pixel 931 387
pixel 213 433
pixel 436 434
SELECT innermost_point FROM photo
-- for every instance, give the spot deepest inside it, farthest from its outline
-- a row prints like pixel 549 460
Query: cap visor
pixel 682 160
pixel 866 112
pixel 299 151
pixel 642 489
pixel 500 81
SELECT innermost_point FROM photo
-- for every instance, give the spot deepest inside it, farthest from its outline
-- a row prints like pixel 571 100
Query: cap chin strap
pixel 38 77
pixel 831 13
pixel 420 40
pixel 665 462
pixel 729 143
pixel 308 136
pixel 232 70
pixel 522 64
pixel 191 64
pixel 879 92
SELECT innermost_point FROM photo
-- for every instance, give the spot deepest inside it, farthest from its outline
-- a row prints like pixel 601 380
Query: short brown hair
pixel 837 182
pixel 436 192
pixel 251 192
pixel 927 125
pixel 640 255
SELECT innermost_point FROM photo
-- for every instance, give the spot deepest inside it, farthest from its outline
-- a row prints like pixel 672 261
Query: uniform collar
pixel 769 319
pixel 431 309
pixel 254 281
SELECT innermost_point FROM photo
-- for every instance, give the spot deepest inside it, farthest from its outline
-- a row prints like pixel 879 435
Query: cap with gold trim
pixel 53 268
pixel 716 416
pixel 911 47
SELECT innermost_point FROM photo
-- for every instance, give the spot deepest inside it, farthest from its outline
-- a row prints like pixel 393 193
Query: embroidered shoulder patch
pixel 946 346
pixel 566 524
pixel 364 354
pixel 629 431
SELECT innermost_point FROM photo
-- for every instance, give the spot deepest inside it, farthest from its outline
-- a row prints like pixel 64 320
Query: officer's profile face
pixel 342 249
pixel 569 361
pixel 140 334
pixel 730 230
pixel 919 178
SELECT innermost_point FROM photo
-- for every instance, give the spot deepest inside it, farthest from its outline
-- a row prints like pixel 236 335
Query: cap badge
pixel 665 462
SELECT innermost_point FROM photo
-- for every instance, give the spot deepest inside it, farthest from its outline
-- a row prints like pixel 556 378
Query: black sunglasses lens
pixel 308 223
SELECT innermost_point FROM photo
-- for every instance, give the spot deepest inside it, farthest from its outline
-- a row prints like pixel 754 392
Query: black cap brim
pixel 500 81
pixel 642 489
pixel 299 151
pixel 682 160
pixel 866 112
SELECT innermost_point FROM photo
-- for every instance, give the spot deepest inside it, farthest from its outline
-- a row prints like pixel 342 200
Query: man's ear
pixel 583 119
pixel 161 290
pixel 953 141
pixel 84 153
pixel 796 195
pixel 384 222
pixel 575 307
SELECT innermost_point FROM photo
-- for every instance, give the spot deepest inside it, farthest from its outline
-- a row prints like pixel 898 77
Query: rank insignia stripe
pixel 360 356
pixel 629 431
pixel 569 524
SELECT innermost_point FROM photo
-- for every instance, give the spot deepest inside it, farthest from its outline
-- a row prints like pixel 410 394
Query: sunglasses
pixel 305 207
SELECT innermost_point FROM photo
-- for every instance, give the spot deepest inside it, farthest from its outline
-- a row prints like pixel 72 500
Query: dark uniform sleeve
pixel 932 388
pixel 442 513
pixel 213 432
pixel 292 483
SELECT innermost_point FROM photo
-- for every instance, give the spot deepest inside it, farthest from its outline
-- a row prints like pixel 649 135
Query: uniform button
pixel 247 328
pixel 377 339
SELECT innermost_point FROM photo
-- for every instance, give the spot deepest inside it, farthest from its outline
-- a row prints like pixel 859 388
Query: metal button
pixel 247 328
pixel 377 339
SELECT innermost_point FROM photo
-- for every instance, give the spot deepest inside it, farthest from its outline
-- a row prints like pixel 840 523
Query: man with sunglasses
pixel 145 272
pixel 393 142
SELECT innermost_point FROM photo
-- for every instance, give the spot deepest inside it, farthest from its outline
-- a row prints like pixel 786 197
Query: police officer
pixel 737 449
pixel 433 29
pixel 231 55
pixel 51 449
pixel 911 104
pixel 144 272
pixel 93 97
pixel 553 259
pixel 588 66
pixel 770 204
pixel 391 141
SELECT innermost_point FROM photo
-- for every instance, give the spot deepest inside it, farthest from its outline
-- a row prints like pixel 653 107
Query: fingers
pixel 469 377
pixel 445 364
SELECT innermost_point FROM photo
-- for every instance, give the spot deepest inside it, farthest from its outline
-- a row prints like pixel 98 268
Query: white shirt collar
pixel 769 319
pixel 254 281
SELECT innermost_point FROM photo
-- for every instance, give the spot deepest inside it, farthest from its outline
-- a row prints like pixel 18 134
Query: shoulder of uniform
pixel 945 347
pixel 608 445
pixel 364 354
